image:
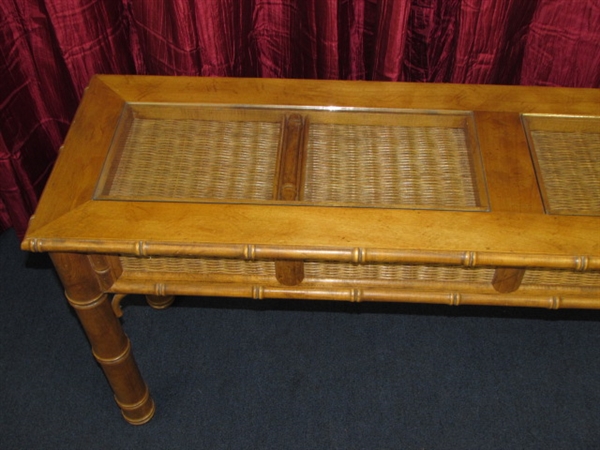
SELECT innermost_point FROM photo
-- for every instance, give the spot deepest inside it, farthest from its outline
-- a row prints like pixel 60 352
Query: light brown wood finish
pixel 110 346
pixel 504 250
pixel 288 185
pixel 160 301
pixel 511 179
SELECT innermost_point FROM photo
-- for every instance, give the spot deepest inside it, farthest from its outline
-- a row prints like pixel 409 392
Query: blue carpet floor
pixel 231 374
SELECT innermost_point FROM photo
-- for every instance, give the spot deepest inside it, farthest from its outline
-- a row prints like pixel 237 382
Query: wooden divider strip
pixel 288 184
pixel 510 176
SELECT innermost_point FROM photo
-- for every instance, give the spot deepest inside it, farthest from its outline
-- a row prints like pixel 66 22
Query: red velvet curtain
pixel 49 49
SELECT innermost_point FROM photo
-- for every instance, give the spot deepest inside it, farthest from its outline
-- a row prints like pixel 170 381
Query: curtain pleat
pixel 165 46
pixel 91 36
pixel 275 26
pixel 49 49
pixel 390 40
pixel 37 101
pixel 562 45
pixel 431 40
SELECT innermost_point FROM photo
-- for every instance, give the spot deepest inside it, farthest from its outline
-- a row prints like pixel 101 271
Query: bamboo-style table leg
pixel 110 346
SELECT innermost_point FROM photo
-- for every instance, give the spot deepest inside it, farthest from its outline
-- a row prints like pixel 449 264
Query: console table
pixel 334 190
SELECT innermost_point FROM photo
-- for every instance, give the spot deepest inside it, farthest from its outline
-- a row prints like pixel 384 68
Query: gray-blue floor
pixel 230 374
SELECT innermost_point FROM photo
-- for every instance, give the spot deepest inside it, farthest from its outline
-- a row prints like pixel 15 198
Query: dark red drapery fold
pixel 49 49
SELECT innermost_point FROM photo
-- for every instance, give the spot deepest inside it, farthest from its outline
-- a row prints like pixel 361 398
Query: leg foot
pixel 160 301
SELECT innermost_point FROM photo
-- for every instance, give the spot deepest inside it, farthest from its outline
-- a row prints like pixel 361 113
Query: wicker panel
pixel 197 159
pixel 332 271
pixel 200 266
pixel 395 272
pixel 390 165
pixel 313 270
pixel 541 277
pixel 569 163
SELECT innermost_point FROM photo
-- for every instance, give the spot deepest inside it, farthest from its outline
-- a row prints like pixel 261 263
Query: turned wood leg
pixel 110 346
pixel 160 301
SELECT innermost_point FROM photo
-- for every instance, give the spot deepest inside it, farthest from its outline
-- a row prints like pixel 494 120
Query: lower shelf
pixel 454 285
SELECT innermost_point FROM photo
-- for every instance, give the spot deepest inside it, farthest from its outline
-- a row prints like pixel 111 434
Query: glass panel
pixel 162 153
pixel 354 157
pixel 566 155
pixel 414 161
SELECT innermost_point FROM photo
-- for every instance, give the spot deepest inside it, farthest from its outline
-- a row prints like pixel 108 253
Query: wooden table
pixel 334 190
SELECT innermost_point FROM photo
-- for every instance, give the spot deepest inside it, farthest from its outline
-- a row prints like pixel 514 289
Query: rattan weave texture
pixel 178 159
pixel 199 266
pixel 351 272
pixel 424 166
pixel 561 278
pixel 569 163
pixel 197 159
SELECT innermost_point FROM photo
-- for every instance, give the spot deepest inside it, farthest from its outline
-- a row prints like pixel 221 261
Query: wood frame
pixel 89 235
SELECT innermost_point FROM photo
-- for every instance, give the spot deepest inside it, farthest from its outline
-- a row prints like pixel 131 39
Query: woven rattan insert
pixel 390 165
pixel 169 159
pixel 366 158
pixel 566 151
pixel 230 269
